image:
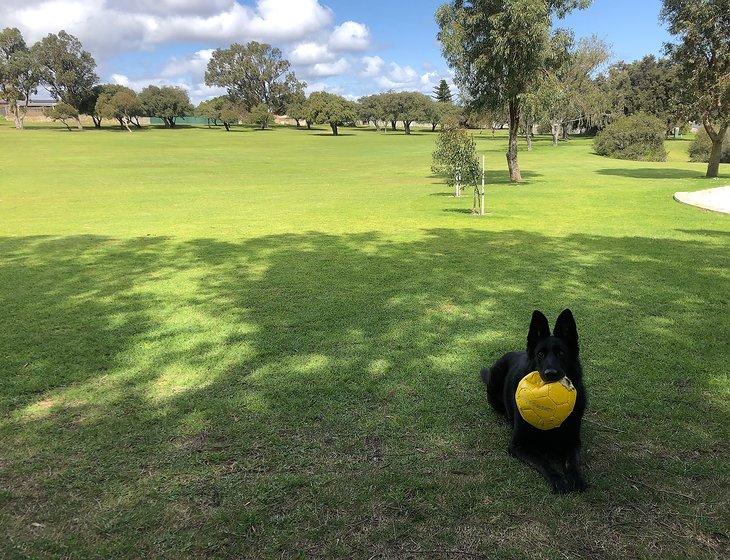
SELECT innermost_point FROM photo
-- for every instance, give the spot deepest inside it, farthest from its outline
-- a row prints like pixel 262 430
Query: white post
pixel 482 209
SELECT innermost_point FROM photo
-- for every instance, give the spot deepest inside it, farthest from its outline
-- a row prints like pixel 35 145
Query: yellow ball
pixel 545 405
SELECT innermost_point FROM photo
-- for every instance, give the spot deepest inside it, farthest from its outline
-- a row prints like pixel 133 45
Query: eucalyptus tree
pixel 252 74
pixel 66 69
pixel 499 49
pixel 19 73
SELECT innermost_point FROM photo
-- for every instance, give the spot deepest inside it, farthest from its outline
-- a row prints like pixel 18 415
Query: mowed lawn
pixel 264 345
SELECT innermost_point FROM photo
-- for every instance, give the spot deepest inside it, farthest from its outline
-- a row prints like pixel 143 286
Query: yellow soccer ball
pixel 545 405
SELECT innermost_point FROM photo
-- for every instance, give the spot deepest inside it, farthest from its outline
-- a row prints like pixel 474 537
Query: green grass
pixel 266 345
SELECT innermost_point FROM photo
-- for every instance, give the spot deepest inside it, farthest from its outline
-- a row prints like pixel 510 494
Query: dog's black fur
pixel 553 356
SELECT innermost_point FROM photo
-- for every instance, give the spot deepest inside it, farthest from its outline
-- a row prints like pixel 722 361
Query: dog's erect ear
pixel 539 330
pixel 566 330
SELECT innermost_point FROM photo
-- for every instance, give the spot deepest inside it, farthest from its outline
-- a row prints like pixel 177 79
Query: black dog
pixel 553 357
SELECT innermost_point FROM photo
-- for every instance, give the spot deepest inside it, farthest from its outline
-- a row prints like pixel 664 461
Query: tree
pixel 442 92
pixel 369 109
pixel 455 157
pixel 567 92
pixel 261 116
pixel 411 106
pixel 253 73
pixel 62 112
pixel 67 69
pixel 118 102
pixel 440 113
pixel 88 104
pixel 166 103
pixel 703 56
pixel 499 49
pixel 19 74
pixel 649 85
pixel 295 105
pixel 328 108
pixel 222 109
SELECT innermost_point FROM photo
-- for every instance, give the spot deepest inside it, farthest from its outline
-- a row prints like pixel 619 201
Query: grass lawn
pixel 266 345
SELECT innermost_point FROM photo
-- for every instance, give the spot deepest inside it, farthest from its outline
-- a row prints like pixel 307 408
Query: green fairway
pixel 266 344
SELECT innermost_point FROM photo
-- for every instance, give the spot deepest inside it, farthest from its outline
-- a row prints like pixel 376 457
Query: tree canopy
pixel 19 73
pixel 254 73
pixel 442 92
pixel 118 102
pixel 703 58
pixel 66 68
pixel 166 103
pixel 498 50
pixel 328 108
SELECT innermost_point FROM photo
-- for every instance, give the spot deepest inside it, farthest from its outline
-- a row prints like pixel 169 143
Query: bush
pixel 700 148
pixel 639 137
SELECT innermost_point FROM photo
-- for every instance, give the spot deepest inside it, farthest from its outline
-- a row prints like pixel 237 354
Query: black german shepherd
pixel 553 357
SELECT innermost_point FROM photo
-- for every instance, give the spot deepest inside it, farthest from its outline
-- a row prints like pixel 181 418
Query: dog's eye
pixel 541 354
pixel 561 353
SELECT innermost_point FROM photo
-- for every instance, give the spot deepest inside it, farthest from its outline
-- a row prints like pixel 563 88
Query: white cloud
pixel 193 64
pixel 372 65
pixel 107 26
pixel 350 36
pixel 324 69
pixel 310 53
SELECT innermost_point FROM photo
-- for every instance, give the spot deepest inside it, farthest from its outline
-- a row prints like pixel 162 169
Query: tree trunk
pixel 335 132
pixel 227 125
pixel 126 125
pixel 78 123
pixel 135 122
pixel 407 126
pixel 528 134
pixel 309 125
pixel 514 125
pixel 297 122
pixel 17 117
pixel 555 132
pixel 97 121
pixel 433 127
pixel 566 135
pixel 393 124
pixel 713 166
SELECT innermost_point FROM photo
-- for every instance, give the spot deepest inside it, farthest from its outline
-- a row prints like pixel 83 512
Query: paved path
pixel 717 200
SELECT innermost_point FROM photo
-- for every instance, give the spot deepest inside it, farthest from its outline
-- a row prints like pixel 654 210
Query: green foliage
pixel 254 73
pixel 61 112
pixel 165 102
pixel 649 85
pixel 334 110
pixel 455 158
pixel 701 146
pixel 19 73
pixel 260 115
pixel 118 102
pixel 638 137
pixel 222 109
pixel 442 92
pixel 499 49
pixel 703 56
pixel 66 68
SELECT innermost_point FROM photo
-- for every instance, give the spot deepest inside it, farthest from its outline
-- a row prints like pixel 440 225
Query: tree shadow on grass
pixel 319 394
pixel 652 173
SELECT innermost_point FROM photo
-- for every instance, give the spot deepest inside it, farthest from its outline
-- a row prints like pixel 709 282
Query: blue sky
pixel 346 46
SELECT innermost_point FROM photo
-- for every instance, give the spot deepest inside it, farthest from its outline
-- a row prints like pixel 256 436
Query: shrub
pixel 639 137
pixel 700 148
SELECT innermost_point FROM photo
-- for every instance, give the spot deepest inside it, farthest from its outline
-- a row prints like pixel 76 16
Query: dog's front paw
pixel 577 482
pixel 559 485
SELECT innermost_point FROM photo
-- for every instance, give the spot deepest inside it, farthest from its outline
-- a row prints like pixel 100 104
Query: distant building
pixel 35 107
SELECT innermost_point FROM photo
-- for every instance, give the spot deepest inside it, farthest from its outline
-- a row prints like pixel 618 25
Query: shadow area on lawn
pixel 318 395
